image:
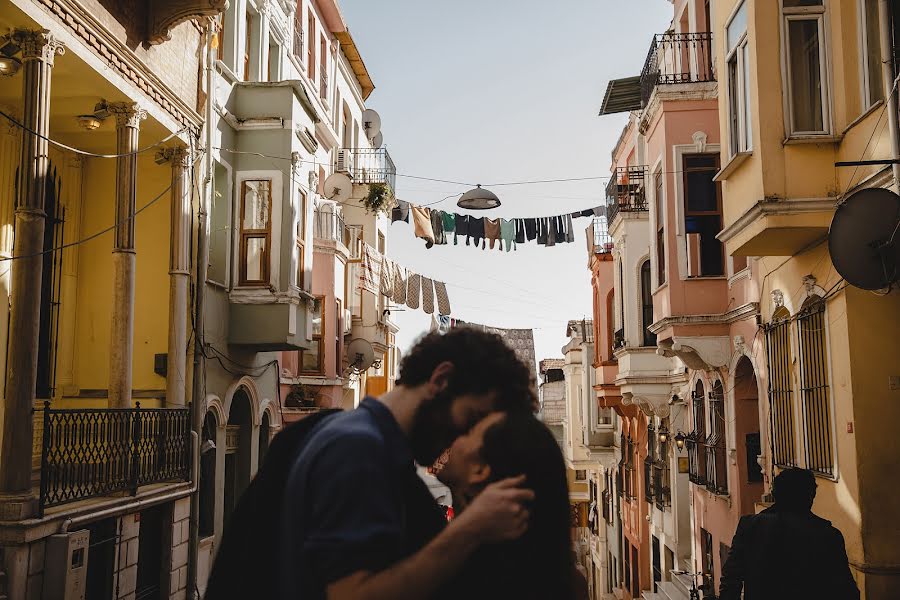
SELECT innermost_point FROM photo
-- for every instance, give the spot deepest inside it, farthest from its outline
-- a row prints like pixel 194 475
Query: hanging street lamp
pixel 478 198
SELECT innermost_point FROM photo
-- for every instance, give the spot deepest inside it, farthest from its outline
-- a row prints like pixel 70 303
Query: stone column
pixel 121 347
pixel 179 273
pixel 38 51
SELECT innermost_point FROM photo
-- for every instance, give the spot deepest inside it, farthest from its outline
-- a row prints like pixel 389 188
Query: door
pixel 101 560
pixel 151 552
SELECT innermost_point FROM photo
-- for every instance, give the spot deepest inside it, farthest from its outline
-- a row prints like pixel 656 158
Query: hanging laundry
pixel 570 230
pixel 427 296
pixel 449 222
pixel 599 211
pixel 413 291
pixel 492 231
pixel 444 323
pixel 552 231
pixel 400 283
pixel 530 229
pixel 400 212
pixel 542 231
pixel 587 213
pixel 370 274
pixel 437 226
pixel 508 233
pixel 422 223
pixel 462 228
pixel 520 231
pixel 476 230
pixel 560 230
pixel 435 324
pixel 387 276
pixel 443 300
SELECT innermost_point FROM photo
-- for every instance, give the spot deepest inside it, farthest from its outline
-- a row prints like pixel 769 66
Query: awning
pixel 622 95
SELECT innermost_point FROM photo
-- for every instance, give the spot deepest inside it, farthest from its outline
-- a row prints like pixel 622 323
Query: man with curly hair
pixel 359 522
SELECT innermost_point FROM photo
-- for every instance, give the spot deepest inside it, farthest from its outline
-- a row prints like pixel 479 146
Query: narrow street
pixel 272 268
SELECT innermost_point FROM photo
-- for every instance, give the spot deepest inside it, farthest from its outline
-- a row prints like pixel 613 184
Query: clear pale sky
pixel 488 91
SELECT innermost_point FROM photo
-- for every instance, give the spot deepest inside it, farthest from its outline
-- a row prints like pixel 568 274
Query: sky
pixel 497 91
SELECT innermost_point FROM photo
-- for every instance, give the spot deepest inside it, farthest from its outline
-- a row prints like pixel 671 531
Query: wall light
pixel 88 122
pixel 679 440
pixel 9 65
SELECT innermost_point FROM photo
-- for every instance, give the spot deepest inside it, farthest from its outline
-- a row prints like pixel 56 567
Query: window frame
pixel 300 240
pixel 318 344
pixel 247 234
pixel 248 41
pixel 866 89
pixel 311 46
pixel 740 54
pixel 819 14
pixel 660 204
pixel 687 213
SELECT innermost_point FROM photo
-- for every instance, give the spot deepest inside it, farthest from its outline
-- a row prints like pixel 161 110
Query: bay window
pixel 804 35
pixel 312 362
pixel 256 232
pixel 738 82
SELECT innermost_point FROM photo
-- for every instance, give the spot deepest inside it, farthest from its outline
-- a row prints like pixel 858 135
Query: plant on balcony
pixel 301 396
pixel 378 199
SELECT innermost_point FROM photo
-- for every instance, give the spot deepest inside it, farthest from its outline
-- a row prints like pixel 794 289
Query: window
pixel 219 231
pixel 301 242
pixel 311 46
pixel 706 552
pixel 697 437
pixel 738 264
pixel 312 362
pixel 703 216
pixel 220 37
pixel 274 66
pixel 869 27
pixel 649 490
pixel 323 67
pixel 814 392
pixel 716 475
pixel 256 232
pixel 660 229
pixel 781 389
pixel 338 337
pixel 297 45
pixel 649 338
pixel 737 66
pixel 580 475
pixel 804 32
pixel 661 473
pixel 248 37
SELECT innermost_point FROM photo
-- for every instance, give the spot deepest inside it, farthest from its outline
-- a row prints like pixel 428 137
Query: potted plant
pixel 378 199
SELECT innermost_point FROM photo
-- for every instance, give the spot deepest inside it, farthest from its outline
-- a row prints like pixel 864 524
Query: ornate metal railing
pixel 88 453
pixel 374 165
pixel 677 58
pixel 626 191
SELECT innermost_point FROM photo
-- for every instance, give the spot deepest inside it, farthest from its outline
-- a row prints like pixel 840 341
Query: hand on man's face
pixel 500 513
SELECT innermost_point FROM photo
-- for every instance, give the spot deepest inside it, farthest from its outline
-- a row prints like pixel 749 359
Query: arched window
pixel 649 338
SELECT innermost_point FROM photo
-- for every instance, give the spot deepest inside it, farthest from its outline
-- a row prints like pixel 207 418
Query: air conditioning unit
pixel 344 162
pixel 348 321
pixel 65 565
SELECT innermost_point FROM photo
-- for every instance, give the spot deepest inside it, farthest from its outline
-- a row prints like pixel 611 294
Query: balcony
pixel 89 453
pixel 330 226
pixel 374 165
pixel 598 239
pixel 676 58
pixel 626 191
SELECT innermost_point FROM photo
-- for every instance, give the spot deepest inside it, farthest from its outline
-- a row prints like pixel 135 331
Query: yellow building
pixel 802 88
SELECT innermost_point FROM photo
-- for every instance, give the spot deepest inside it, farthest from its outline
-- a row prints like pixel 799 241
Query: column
pixel 179 273
pixel 121 344
pixel 38 51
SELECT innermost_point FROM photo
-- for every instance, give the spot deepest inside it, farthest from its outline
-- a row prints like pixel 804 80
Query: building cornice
pixel 740 313
pixel 771 208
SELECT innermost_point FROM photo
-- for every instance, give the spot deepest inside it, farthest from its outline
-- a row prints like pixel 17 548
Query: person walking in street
pixel 540 565
pixel 359 523
pixel 787 552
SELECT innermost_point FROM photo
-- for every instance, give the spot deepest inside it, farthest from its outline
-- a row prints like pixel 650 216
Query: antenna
pixel 361 355
pixel 338 187
pixel 371 123
pixel 863 239
pixel 378 140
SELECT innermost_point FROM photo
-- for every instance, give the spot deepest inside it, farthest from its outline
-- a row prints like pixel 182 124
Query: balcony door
pixel 703 216
pixel 649 338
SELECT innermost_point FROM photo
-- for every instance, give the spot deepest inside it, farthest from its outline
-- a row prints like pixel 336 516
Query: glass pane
pixel 256 205
pixel 806 80
pixel 701 191
pixel 310 361
pixel 317 317
pixel 734 105
pixel 300 266
pixel 255 258
pixel 873 52
pixel 737 26
pixel 747 129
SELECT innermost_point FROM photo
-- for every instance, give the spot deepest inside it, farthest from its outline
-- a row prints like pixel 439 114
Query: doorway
pixel 101 560
pixel 151 550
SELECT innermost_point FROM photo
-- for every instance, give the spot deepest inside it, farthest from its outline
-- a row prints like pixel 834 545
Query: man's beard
pixel 432 429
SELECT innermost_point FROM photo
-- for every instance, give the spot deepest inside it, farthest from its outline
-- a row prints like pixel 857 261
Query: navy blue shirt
pixel 353 502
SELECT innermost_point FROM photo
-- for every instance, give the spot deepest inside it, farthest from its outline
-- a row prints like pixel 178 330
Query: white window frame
pixel 740 53
pixel 866 87
pixel 819 15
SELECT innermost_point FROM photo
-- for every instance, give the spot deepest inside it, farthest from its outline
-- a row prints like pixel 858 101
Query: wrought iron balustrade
pixel 677 58
pixel 86 453
pixel 649 487
pixel 374 165
pixel 626 191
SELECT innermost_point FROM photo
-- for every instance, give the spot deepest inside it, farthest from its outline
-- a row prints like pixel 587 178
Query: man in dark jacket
pixel 786 551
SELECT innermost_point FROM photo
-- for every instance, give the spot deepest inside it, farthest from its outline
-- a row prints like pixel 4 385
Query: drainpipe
pixel 887 82
pixel 198 402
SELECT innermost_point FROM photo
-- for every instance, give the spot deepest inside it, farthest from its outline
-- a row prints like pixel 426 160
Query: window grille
pixel 716 473
pixel 781 390
pixel 696 438
pixel 814 392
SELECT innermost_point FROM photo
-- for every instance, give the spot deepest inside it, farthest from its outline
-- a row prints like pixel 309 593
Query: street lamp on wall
pixel 662 435
pixel 679 440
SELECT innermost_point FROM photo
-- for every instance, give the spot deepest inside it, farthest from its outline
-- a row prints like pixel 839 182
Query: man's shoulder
pixel 352 433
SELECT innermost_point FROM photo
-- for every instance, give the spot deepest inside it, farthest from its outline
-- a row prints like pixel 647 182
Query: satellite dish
pixel 864 239
pixel 378 140
pixel 371 123
pixel 338 187
pixel 361 354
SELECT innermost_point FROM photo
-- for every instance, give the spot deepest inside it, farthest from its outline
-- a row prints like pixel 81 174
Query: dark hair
pixel 482 362
pixel 794 489
pixel 519 444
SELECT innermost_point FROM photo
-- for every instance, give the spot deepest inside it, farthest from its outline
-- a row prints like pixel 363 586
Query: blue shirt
pixel 353 502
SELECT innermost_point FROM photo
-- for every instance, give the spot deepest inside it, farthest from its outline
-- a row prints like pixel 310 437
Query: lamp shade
pixel 9 65
pixel 478 198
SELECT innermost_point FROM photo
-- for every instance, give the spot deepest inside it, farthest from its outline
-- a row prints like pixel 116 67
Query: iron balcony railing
pixel 87 453
pixel 626 191
pixel 597 234
pixel 330 226
pixel 677 58
pixel 374 165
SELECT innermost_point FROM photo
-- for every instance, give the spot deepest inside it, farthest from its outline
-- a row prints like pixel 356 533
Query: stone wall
pixel 553 402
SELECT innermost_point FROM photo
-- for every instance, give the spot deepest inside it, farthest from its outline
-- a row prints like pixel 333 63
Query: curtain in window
pixel 806 76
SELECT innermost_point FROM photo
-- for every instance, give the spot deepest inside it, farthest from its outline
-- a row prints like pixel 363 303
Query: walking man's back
pixel 786 551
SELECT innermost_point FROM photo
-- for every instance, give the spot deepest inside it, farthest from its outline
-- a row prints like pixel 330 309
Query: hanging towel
pixel 422 221
pixel 399 296
pixel 542 232
pixel 413 292
pixel 462 228
pixel 476 229
pixel 560 230
pixel 387 276
pixel 552 231
pixel 370 274
pixel 435 324
pixel 449 222
pixel 520 231
pixel 587 213
pixel 507 233
pixel 437 226
pixel 599 211
pixel 492 231
pixel 570 230
pixel 531 229
pixel 427 296
pixel 443 300
pixel 400 212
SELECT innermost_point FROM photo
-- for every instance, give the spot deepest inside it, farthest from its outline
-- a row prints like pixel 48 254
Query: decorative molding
pixel 128 114
pixel 37 44
pixel 777 299
pixel 699 353
pixel 737 314
pixel 165 15
pixel 699 138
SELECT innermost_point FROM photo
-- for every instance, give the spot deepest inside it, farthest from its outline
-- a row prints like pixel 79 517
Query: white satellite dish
pixel 371 123
pixel 360 354
pixel 338 187
pixel 378 140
